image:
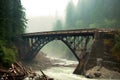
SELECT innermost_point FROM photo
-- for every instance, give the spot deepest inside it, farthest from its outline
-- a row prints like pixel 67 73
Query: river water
pixel 63 73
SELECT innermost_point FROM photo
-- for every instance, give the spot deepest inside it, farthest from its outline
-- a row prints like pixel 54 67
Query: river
pixel 63 73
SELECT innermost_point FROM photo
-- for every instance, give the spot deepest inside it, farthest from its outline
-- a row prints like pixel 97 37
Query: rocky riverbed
pixel 103 73
pixel 45 63
pixel 42 61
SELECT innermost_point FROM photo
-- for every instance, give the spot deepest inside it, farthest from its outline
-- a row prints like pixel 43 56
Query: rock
pixel 97 74
pixel 88 75
pixel 99 63
pixel 104 73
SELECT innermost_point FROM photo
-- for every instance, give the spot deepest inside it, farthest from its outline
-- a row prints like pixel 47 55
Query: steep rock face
pixel 98 56
pixel 110 62
pixel 98 51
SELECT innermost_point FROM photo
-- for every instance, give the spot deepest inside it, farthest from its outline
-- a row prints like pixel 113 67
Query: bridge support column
pixel 80 69
pixel 88 60
pixel 97 51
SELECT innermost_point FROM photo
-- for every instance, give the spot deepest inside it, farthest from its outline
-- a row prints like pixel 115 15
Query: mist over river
pixel 62 69
pixel 61 72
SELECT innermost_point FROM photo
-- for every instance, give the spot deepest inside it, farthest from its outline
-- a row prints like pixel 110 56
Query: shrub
pixel 7 54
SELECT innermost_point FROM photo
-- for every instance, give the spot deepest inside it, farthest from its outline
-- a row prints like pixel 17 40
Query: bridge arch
pixel 34 41
pixel 38 45
pixel 72 42
pixel 57 48
pixel 66 43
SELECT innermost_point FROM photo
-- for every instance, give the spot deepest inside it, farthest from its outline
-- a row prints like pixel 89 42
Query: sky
pixel 37 8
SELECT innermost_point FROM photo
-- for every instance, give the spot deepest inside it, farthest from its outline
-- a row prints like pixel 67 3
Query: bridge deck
pixel 84 32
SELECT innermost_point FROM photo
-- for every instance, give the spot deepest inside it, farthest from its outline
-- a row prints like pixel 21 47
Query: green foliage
pixel 93 14
pixel 116 48
pixel 94 25
pixel 70 16
pixel 12 19
pixel 9 56
pixel 110 23
pixel 79 24
pixel 12 23
pixel 2 43
pixel 117 42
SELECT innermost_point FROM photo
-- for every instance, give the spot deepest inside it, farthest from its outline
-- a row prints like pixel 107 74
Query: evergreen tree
pixel 70 16
pixel 12 19
pixel 12 23
pixel 58 25
pixel 112 13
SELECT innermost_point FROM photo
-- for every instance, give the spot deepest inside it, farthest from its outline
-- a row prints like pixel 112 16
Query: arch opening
pixel 58 49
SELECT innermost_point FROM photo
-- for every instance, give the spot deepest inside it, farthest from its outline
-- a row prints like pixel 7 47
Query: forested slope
pixel 94 14
pixel 12 23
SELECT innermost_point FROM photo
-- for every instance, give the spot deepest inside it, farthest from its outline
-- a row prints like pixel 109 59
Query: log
pixel 3 71
pixel 43 74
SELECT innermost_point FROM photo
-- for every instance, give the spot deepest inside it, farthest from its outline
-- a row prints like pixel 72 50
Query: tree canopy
pixel 12 23
pixel 93 14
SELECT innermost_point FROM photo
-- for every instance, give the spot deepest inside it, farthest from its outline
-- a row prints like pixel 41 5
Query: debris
pixel 18 72
pixel 15 72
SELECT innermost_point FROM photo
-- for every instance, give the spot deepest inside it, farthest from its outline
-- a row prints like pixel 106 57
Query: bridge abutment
pixel 90 59
pixel 97 51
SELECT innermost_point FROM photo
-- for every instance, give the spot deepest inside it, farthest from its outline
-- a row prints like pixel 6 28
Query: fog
pixel 42 14
pixel 49 15
pixel 52 15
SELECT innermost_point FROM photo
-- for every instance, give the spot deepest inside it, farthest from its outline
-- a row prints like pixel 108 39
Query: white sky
pixel 36 8
pixel 45 7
